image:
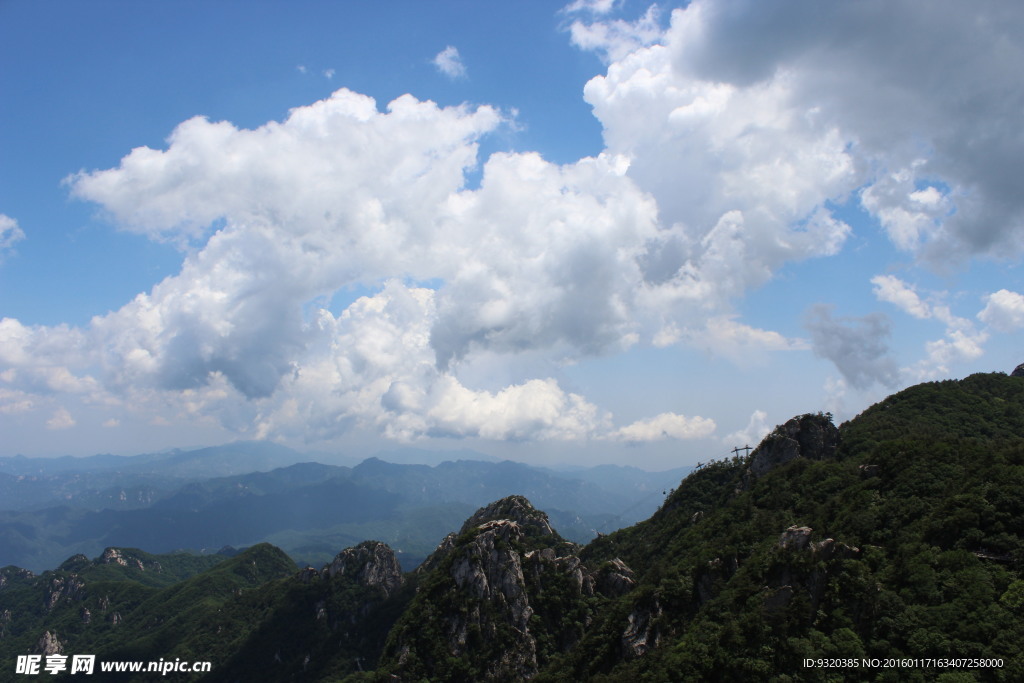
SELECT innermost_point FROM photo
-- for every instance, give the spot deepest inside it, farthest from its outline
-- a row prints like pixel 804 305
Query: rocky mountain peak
pixel 75 563
pixel 811 436
pixel 502 597
pixel 515 509
pixel 121 557
pixel 371 563
pixel 1018 371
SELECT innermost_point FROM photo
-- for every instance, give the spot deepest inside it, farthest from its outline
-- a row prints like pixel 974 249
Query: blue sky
pixel 603 232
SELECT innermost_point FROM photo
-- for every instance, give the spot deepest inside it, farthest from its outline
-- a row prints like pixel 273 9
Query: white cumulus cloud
pixel 774 109
pixel 13 402
pixel 757 428
pixel 449 62
pixel 591 6
pixel 665 426
pixel 338 167
pixel 891 289
pixel 617 38
pixel 1004 310
pixel 962 341
pixel 61 419
pixel 340 194
pixel 10 234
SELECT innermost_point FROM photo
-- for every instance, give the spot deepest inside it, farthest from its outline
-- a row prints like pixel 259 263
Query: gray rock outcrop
pixel 518 509
pixel 614 578
pixel 49 644
pixel 641 635
pixel 370 563
pixel 497 594
pixel 125 558
pixel 811 436
pixel 64 588
pixel 795 537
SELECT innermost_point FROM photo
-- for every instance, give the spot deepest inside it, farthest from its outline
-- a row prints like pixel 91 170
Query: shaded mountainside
pixel 255 614
pixel 897 534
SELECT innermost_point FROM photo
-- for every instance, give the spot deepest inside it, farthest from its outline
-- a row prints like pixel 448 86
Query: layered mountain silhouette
pixel 308 509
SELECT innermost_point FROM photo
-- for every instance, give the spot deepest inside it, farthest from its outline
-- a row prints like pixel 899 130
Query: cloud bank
pixel 276 221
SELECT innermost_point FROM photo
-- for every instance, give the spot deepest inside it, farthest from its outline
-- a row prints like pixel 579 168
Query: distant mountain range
pixel 239 457
pixel 248 492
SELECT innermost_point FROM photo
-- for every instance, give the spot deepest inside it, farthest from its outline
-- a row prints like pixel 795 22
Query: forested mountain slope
pixel 904 540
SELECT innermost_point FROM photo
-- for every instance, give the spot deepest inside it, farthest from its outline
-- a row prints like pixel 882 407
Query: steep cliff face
pixel 498 600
